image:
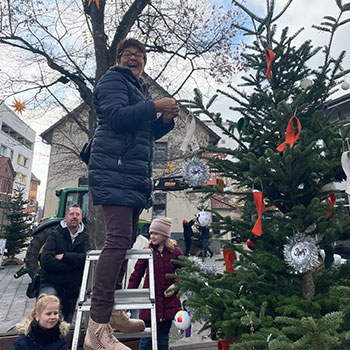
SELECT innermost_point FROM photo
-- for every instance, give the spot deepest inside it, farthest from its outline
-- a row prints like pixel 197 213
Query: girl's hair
pixel 40 305
pixel 169 243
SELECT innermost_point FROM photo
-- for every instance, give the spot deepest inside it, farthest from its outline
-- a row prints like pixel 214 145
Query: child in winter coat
pixel 43 329
pixel 167 303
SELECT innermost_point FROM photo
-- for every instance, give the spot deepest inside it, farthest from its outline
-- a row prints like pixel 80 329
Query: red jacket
pixel 166 308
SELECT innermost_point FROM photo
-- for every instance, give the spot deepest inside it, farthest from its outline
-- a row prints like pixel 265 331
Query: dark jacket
pixel 40 339
pixel 204 231
pixel 187 226
pixel 120 164
pixel 166 308
pixel 66 273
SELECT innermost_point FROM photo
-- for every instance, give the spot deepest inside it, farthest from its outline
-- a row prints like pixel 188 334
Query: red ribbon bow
pixel 331 201
pixel 260 207
pixel 223 345
pixel 270 56
pixel 229 257
pixel 291 137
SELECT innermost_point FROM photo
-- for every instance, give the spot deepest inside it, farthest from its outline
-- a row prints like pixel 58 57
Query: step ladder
pixel 125 299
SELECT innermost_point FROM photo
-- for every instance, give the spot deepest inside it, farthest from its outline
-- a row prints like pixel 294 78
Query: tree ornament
pixel 182 320
pixel 251 244
pixel 291 137
pixel 305 83
pixel 19 106
pixel 345 163
pixel 204 218
pixel 229 258
pixel 301 253
pixel 195 172
pixel 345 85
pixel 169 168
pixel 270 56
pixel 189 139
pixel 223 345
pixel 260 207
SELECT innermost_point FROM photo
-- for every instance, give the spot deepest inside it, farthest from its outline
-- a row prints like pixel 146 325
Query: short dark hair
pixel 75 205
pixel 128 43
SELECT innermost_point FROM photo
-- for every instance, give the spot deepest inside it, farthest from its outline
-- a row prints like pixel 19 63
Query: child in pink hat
pixel 167 303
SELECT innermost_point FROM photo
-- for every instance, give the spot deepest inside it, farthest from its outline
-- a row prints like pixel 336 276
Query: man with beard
pixel 62 261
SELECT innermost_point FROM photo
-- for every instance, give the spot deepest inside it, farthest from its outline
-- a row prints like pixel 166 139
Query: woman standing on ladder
pixel 120 179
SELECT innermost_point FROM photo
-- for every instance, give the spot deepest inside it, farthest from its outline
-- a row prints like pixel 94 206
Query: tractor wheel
pixel 34 250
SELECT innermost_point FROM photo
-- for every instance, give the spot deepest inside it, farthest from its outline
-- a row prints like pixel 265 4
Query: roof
pixel 217 203
pixel 34 179
pixel 47 134
pixel 7 160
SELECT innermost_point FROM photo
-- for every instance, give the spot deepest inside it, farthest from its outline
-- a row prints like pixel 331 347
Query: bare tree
pixel 62 48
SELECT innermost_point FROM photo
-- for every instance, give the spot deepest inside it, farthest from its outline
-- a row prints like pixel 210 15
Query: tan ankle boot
pixel 120 321
pixel 99 336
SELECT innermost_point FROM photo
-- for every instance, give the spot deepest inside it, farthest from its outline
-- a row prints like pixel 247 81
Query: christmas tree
pixel 282 295
pixel 16 231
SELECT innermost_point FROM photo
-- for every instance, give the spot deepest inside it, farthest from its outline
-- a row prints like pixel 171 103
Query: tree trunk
pixel 308 285
pixel 96 225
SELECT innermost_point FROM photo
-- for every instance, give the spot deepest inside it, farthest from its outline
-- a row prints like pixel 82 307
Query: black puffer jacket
pixel 66 274
pixel 120 165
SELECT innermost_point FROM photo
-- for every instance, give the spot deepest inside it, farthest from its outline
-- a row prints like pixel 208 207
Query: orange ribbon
pixel 223 345
pixel 291 137
pixel 229 257
pixel 260 207
pixel 270 56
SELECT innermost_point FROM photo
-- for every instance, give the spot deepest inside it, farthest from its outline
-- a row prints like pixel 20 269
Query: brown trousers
pixel 122 227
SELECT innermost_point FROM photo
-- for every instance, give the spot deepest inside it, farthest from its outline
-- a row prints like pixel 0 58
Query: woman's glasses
pixel 128 54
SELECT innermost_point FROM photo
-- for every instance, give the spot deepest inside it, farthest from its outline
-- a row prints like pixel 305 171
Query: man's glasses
pixel 128 54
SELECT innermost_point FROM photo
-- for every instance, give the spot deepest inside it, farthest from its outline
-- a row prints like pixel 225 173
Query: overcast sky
pixel 302 13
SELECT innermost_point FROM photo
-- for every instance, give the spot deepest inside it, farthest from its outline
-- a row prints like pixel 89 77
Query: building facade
pixel 17 143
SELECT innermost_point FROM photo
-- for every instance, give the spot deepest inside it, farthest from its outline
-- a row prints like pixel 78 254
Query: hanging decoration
pixel 204 218
pixel 331 201
pixel 195 172
pixel 345 163
pixel 223 345
pixel 345 85
pixel 190 127
pixel 291 137
pixel 19 106
pixel 96 1
pixel 251 244
pixel 301 253
pixel 182 320
pixel 270 56
pixel 305 83
pixel 169 168
pixel 229 258
pixel 260 207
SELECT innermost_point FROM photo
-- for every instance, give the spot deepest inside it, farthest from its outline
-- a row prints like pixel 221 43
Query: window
pixel 159 206
pixel 22 178
pixel 160 156
pixel 3 151
pixel 21 160
pixel 11 154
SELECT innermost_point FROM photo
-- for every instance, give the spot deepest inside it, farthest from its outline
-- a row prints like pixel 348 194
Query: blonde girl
pixel 43 328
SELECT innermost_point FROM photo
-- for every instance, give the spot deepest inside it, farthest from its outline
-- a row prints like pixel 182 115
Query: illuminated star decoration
pixel 18 106
pixel 169 168
pixel 97 3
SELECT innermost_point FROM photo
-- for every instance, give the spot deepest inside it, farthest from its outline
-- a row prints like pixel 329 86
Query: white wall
pixel 14 148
